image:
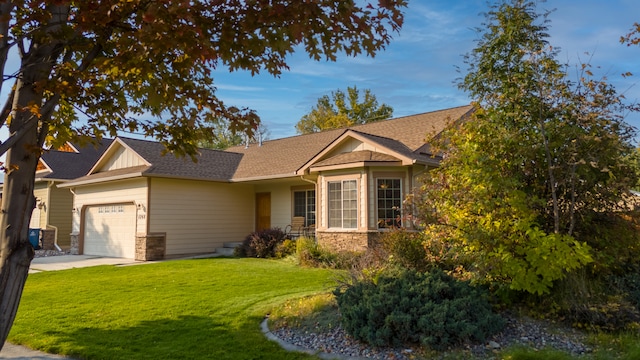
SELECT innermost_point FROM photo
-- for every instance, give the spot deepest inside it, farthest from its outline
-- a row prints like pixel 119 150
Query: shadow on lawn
pixel 188 337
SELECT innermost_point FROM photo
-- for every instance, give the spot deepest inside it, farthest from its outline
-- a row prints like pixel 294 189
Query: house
pixel 53 204
pixel 348 184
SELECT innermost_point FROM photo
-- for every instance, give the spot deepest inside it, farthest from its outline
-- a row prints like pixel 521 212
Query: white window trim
pixel 358 195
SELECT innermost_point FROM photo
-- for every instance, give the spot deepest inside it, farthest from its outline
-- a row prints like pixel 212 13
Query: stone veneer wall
pixel 48 239
pixel 348 241
pixel 150 247
pixel 75 244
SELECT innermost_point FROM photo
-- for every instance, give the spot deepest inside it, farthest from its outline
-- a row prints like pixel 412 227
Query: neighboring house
pixel 54 205
pixel 348 184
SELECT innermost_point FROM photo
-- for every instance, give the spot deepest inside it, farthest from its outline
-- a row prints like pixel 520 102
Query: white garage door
pixel 110 230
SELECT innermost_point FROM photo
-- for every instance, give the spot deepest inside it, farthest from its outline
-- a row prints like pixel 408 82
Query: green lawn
pixel 184 309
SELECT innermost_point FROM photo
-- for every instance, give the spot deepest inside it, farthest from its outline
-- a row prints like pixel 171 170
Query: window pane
pixel 350 205
pixel 299 203
pixel 335 204
pixel 311 207
pixel 389 202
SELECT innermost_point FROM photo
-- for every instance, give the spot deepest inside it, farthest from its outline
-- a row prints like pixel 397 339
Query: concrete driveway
pixel 62 262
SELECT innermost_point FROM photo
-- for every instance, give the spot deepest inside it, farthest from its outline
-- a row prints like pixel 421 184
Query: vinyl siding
pixel 116 192
pixel 199 216
pixel 351 145
pixel 59 213
pixel 123 158
pixel 40 191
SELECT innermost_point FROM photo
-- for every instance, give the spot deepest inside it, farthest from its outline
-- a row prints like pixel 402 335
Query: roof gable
pixel 363 147
pixel 403 137
pixel 128 158
pixel 71 161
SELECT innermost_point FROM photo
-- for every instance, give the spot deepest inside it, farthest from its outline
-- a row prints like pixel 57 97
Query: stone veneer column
pixel 75 244
pixel 150 247
pixel 48 239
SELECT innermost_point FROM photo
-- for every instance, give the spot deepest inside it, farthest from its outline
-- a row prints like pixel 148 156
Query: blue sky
pixel 416 72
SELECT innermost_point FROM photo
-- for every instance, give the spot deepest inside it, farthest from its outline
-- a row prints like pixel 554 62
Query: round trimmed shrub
pixel 261 244
pixel 432 309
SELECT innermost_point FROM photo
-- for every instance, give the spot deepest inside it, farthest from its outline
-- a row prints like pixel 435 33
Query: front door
pixel 263 211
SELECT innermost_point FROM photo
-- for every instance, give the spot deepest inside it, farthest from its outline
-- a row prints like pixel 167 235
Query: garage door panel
pixel 110 230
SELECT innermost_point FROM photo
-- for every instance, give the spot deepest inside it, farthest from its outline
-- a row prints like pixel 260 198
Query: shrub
pixel 586 301
pixel 431 308
pixel 406 249
pixel 285 248
pixel 309 253
pixel 262 244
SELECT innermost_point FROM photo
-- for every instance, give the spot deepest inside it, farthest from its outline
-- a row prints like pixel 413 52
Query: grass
pixel 186 309
pixel 312 313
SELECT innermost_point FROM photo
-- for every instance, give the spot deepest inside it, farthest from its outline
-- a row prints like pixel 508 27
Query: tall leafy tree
pixel 542 156
pixel 225 138
pixel 342 110
pixel 117 62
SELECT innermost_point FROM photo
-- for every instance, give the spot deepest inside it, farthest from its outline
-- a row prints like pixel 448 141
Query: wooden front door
pixel 263 211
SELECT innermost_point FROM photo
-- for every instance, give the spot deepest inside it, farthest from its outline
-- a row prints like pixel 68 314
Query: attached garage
pixel 110 230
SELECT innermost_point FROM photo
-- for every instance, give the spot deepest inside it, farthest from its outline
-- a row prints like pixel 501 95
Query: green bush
pixel 262 244
pixel 432 308
pixel 309 253
pixel 584 300
pixel 285 248
pixel 406 249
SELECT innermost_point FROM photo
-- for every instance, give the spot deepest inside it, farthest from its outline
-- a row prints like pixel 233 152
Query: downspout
pixel 309 181
pixel 74 207
pixel 55 228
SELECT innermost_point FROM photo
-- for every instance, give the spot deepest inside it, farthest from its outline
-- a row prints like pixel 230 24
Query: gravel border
pixel 518 331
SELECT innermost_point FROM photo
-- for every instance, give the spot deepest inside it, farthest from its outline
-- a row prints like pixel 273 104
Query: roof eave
pixel 359 164
pixel 100 180
pixel 177 177
pixel 266 177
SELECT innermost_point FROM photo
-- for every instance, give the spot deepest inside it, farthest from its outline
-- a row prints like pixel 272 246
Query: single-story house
pixel 53 204
pixel 347 184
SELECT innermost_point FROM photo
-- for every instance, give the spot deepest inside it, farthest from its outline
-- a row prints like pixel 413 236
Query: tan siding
pixel 123 158
pixel 40 192
pixel 199 216
pixel 352 145
pixel 59 213
pixel 116 192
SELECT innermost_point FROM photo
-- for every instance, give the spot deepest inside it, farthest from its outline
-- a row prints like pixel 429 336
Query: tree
pixel 541 157
pixel 342 110
pixel 115 62
pixel 224 137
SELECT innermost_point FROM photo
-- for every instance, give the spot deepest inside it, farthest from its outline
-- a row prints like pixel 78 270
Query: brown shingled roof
pixel 283 157
pixel 356 157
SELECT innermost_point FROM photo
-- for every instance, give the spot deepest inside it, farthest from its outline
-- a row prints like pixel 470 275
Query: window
pixel 304 204
pixel 389 203
pixel 343 204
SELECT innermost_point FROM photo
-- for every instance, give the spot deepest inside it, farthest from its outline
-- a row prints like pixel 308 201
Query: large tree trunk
pixel 17 204
pixel 27 129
